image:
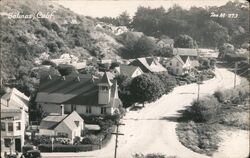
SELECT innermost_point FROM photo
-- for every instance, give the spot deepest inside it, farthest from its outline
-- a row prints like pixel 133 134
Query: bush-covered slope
pixel 21 40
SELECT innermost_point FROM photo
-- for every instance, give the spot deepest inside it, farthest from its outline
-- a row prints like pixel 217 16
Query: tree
pixel 124 90
pixel 145 46
pixel 124 19
pixel 226 48
pixel 66 69
pixel 146 88
pixel 168 81
pixel 184 41
pixel 215 34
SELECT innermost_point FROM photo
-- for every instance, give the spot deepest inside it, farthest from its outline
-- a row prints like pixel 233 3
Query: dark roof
pixel 185 51
pixel 81 90
pixel 59 89
pixel 51 121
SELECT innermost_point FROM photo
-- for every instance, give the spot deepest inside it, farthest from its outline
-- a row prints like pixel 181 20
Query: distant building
pixel 179 65
pixel 14 99
pixel 148 64
pixel 128 70
pixel 163 43
pixel 12 129
pixel 83 94
pixel 208 53
pixel 188 52
pixel 61 125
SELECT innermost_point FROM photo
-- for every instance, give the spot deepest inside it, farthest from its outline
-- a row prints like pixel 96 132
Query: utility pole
pixel 235 72
pixel 198 94
pixel 116 137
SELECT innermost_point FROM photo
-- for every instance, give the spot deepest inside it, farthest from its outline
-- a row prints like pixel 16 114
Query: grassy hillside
pixel 22 40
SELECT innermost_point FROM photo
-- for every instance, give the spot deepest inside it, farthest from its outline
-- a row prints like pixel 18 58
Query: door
pixel 18 144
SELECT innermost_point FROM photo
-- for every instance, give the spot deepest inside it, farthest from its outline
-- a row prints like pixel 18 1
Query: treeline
pixel 232 27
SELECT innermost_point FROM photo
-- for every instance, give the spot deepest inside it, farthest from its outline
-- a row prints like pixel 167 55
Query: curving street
pixel 152 129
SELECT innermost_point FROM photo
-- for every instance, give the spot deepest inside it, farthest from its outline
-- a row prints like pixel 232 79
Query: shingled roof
pixel 82 89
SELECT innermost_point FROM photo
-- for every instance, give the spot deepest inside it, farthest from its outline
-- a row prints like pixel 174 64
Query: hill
pixel 24 36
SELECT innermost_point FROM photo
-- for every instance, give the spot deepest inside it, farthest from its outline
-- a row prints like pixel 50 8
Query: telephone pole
pixel 116 137
pixel 235 72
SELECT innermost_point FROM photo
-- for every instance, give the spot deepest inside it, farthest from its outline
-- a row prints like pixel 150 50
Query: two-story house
pixel 82 93
pixel 12 129
pixel 178 65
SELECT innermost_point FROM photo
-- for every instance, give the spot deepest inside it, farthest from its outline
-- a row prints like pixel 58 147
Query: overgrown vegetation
pixel 202 121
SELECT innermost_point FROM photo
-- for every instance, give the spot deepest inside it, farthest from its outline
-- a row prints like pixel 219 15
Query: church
pixel 81 93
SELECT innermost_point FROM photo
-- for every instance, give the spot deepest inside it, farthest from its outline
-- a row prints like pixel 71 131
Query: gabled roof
pixel 128 70
pixel 185 51
pixel 72 120
pixel 148 64
pixel 53 120
pixel 59 89
pixel 81 90
pixel 16 98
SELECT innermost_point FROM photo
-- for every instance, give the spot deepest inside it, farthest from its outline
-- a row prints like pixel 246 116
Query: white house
pixel 14 99
pixel 128 70
pixel 178 65
pixel 82 93
pixel 12 129
pixel 69 126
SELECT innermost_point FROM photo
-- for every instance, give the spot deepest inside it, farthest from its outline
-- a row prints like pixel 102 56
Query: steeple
pixel 105 80
pixel 104 93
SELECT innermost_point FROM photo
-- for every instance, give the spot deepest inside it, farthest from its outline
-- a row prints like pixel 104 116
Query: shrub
pixel 204 109
pixel 65 148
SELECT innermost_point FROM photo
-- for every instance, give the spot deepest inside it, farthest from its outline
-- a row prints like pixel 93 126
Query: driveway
pixel 152 129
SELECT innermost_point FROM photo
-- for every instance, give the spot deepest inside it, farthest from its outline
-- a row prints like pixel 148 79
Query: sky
pixel 113 8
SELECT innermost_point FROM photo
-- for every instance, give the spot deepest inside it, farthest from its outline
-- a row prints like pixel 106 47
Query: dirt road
pixel 152 129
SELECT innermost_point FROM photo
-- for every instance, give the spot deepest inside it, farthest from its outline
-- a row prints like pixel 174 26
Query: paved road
pixel 152 129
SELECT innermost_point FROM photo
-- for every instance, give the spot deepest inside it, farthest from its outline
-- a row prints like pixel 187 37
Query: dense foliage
pixel 146 88
pixel 196 22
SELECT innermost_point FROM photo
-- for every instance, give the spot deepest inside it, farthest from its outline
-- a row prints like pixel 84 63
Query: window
pixel 88 109
pixel 177 71
pixel 3 126
pixel 104 88
pixel 103 110
pixel 170 63
pixel 178 64
pixel 10 127
pixel 7 142
pixel 18 126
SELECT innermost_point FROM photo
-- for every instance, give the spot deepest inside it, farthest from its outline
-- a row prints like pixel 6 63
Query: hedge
pixel 66 148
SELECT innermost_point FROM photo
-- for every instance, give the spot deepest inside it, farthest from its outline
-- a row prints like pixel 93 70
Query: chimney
pixel 62 109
